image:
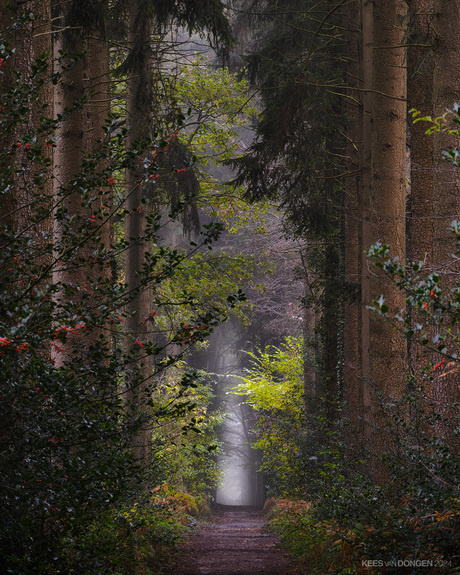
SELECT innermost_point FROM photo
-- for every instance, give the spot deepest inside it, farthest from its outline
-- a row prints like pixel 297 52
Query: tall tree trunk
pixel 420 95
pixel 366 66
pixel 82 59
pixel 139 103
pixel 384 205
pixel 420 221
pixel 446 187
pixel 33 41
pixel 352 311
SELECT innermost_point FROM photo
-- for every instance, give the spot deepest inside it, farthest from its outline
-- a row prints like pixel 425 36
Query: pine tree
pixel 446 186
pixel 297 157
pixel 81 99
pixel 142 118
pixel 384 205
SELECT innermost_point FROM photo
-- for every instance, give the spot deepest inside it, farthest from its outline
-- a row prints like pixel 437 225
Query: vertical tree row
pixel 383 192
pixel 405 63
pixel 333 147
pixel 72 322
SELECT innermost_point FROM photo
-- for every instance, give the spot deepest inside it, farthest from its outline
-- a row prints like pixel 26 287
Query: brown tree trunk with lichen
pixel 383 210
pixel 421 200
pixel 446 193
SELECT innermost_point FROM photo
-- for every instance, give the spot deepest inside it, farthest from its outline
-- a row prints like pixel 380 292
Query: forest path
pixel 233 543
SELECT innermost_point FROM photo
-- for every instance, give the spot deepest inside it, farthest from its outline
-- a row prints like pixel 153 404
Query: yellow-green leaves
pixel 275 380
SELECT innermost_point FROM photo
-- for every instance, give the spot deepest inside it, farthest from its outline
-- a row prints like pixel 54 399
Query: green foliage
pixel 218 103
pixel 273 386
pixel 208 277
pixel 446 124
pixel 185 446
pixel 349 519
pixel 137 537
pixel 316 544
pixel 68 476
pixel 389 541
pixel 412 519
pixel 217 110
pixel 435 308
pixel 414 515
pixel 275 380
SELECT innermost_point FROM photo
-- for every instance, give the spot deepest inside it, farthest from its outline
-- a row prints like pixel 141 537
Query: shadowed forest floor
pixel 234 542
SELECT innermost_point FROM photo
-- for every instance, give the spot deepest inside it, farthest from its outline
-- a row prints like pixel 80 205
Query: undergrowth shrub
pixel 395 541
pixel 313 542
pixel 69 477
pixel 351 523
pixel 137 539
pixel 410 519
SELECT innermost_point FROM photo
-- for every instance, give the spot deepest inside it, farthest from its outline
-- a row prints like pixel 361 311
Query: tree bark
pixel 446 190
pixel 78 231
pixel 138 106
pixel 420 221
pixel 420 94
pixel 384 207
pixel 352 376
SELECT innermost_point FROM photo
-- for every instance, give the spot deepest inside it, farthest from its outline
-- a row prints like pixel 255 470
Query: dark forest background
pixel 206 205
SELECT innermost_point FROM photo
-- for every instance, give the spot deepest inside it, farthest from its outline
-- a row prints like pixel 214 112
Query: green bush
pixel 130 540
pixel 67 467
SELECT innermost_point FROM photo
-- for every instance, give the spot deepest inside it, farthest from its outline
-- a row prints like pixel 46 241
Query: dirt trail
pixel 233 543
